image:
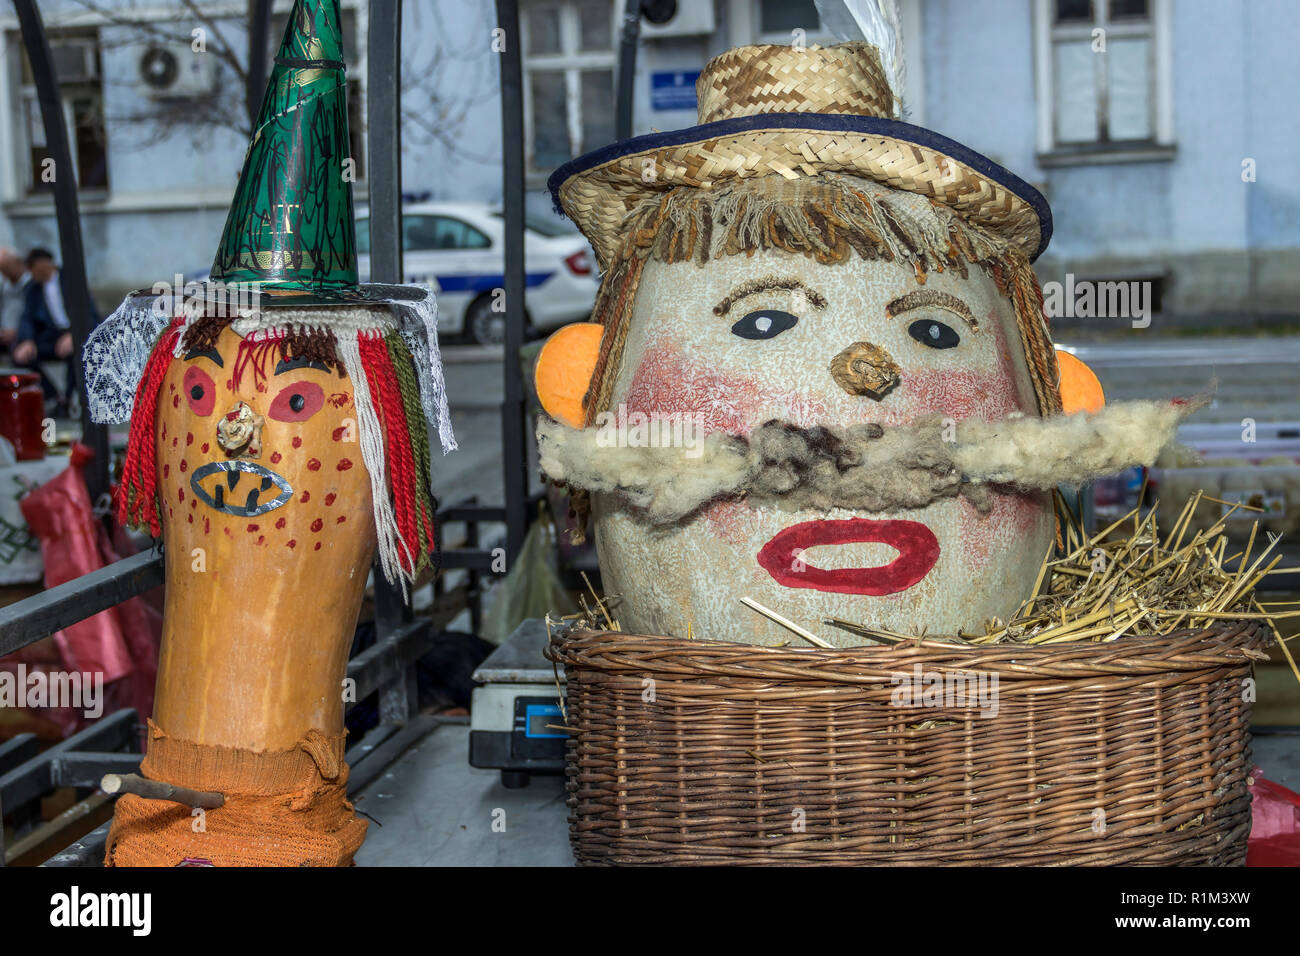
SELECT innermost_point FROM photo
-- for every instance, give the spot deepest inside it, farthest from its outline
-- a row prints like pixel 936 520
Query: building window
pixel 76 57
pixel 569 61
pixel 1103 79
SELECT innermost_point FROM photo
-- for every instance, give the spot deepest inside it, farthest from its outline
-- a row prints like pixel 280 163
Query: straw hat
pixel 779 110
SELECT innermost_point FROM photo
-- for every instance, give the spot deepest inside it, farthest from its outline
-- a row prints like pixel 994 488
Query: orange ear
pixel 1080 390
pixel 564 370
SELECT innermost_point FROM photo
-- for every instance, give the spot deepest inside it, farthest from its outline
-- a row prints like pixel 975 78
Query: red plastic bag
pixel 1275 824
pixel 121 643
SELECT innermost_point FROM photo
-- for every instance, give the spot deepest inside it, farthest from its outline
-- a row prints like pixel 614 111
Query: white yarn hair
pixel 372 452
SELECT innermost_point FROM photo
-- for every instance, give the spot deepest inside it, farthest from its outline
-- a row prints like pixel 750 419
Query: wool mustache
pixel 865 467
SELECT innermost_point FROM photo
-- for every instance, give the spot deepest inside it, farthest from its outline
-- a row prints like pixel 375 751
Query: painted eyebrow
pixel 288 365
pixel 211 354
pixel 766 283
pixel 934 299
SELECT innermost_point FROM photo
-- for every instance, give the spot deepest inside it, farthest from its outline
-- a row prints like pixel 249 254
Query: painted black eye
pixel 196 393
pixel 934 334
pixel 765 324
pixel 296 402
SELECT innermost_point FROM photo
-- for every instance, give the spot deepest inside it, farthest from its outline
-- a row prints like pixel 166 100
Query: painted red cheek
pixel 275 458
pixel 199 391
pixel 313 464
pixel 297 442
pixel 297 402
pixel 344 464
pixel 962 394
pixel 668 382
pixel 329 499
pixel 317 524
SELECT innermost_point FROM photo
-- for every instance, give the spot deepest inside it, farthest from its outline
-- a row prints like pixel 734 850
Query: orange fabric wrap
pixel 283 808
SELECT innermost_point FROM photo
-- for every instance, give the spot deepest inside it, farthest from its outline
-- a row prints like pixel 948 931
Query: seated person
pixel 13 283
pixel 44 331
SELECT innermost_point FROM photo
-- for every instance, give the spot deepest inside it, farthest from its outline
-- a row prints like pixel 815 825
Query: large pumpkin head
pixel 819 318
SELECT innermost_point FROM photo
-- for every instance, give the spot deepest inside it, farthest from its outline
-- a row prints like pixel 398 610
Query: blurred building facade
pixel 1163 133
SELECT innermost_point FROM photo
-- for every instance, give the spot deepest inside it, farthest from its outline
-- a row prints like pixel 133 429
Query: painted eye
pixel 297 402
pixel 199 390
pixel 934 334
pixel 765 324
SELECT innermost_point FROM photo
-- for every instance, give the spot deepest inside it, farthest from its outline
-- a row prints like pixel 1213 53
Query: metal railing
pixel 388 666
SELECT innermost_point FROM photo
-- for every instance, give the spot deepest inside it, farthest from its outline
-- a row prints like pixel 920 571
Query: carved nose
pixel 239 432
pixel 865 369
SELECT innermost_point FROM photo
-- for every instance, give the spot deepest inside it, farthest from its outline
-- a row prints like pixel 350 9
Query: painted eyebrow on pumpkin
pixel 765 284
pixel 934 299
pixel 211 354
pixel 288 365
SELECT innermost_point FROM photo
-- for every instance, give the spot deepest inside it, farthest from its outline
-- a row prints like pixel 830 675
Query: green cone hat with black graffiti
pixel 290 225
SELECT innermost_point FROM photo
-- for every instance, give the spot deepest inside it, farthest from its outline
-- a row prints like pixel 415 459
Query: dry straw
pixel 1128 580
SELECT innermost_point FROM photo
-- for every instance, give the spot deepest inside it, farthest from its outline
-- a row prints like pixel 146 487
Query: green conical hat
pixel 290 225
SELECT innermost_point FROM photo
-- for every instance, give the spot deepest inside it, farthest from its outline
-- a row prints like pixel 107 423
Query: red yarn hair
pixel 137 495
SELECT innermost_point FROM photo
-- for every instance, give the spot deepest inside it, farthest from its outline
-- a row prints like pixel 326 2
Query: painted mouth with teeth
pixel 240 487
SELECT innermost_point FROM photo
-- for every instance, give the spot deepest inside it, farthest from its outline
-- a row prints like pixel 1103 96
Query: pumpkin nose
pixel 865 369
pixel 239 432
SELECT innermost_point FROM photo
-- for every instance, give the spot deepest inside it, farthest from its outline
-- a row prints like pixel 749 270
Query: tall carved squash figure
pixel 824 378
pixel 280 416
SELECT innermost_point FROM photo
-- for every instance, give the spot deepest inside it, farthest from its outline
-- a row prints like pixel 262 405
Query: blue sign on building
pixel 673 90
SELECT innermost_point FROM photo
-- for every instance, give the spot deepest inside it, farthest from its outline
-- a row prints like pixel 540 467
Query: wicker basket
pixel 1131 752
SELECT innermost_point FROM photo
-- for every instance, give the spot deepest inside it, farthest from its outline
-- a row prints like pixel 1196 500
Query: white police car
pixel 458 250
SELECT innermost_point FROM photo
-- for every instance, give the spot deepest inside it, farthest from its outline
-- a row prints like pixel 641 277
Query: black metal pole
pixel 514 450
pixel 76 290
pixel 384 174
pixel 259 42
pixel 629 33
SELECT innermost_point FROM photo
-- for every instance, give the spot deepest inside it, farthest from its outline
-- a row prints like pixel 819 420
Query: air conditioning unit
pixel 693 17
pixel 170 71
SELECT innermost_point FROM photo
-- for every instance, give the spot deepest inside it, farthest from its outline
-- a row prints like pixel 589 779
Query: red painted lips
pixel 918 550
